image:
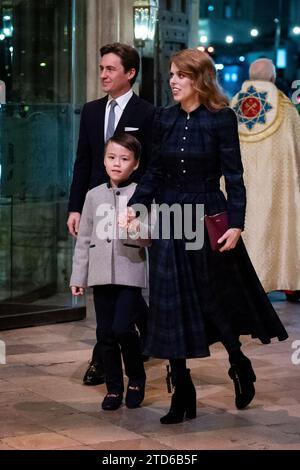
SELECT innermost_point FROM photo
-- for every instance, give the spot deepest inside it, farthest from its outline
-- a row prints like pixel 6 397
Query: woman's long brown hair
pixel 200 68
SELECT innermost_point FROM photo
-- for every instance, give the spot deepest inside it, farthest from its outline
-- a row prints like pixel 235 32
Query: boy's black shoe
pixel 134 395
pixel 112 401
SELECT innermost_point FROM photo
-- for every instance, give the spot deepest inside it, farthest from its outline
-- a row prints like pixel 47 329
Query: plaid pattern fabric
pixel 200 297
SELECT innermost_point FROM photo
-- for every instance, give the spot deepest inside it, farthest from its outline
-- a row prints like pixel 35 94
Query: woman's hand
pixel 77 290
pixel 231 238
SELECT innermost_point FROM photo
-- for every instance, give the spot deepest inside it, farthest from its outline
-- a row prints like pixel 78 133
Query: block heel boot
pixel 243 376
pixel 183 402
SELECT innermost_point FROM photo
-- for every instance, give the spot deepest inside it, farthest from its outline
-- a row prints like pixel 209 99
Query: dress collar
pixel 195 111
pixel 121 100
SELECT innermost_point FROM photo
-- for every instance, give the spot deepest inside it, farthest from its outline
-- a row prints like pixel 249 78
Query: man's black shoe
pixel 94 375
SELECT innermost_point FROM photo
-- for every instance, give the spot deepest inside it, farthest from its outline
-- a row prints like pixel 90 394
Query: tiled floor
pixel 45 406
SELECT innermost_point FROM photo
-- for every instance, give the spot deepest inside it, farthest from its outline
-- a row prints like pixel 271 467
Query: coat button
pixel 183 171
pixel 108 240
pixel 182 161
pixel 182 150
pixel 118 193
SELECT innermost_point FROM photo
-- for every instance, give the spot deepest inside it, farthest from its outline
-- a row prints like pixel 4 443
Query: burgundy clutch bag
pixel 216 226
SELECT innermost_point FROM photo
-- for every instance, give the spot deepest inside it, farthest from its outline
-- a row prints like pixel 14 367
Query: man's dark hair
pixel 129 56
pixel 128 141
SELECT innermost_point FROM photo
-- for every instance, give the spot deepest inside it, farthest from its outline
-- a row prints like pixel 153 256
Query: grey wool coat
pixel 101 256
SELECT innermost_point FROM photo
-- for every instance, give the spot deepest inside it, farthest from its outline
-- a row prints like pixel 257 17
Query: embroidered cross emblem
pixel 251 107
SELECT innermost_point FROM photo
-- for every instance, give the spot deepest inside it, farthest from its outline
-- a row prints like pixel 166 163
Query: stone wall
pixel 106 22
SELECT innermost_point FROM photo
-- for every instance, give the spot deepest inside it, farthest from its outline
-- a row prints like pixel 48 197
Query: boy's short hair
pixel 128 141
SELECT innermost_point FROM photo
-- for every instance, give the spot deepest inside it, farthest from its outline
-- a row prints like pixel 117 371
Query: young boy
pixel 117 272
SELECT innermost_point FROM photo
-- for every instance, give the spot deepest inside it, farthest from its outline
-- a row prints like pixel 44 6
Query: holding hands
pixel 128 221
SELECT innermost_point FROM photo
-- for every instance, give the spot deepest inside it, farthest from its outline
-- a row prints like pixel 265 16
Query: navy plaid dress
pixel 200 297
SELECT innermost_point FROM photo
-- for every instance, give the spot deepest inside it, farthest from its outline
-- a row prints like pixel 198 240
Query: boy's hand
pixel 134 226
pixel 73 223
pixel 77 290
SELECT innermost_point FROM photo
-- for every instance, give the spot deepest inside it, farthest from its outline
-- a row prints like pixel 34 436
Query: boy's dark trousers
pixel 141 323
pixel 117 309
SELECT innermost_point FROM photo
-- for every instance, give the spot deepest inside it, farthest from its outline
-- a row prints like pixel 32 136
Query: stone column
pixel 106 22
pixel 193 15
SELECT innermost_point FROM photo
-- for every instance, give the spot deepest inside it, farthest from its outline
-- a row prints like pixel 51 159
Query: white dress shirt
pixel 121 104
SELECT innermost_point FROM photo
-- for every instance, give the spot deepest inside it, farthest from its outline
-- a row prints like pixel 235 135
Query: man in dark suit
pixel 121 110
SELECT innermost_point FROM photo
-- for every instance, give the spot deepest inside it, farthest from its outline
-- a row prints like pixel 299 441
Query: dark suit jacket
pixel 89 170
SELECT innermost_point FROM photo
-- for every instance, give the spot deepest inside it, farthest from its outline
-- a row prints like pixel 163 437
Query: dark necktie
pixel 110 130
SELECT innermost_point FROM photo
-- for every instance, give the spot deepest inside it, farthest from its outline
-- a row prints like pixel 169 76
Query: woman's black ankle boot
pixel 243 376
pixel 183 402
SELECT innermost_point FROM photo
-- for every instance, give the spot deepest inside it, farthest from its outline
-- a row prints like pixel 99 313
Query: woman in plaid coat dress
pixel 198 297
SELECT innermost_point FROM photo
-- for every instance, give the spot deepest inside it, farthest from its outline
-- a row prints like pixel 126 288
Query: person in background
pixel 117 272
pixel 120 110
pixel 269 130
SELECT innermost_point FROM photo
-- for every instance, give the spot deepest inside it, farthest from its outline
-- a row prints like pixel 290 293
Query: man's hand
pixel 77 290
pixel 73 223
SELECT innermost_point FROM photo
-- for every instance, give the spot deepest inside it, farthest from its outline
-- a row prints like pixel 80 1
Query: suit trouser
pixel 117 309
